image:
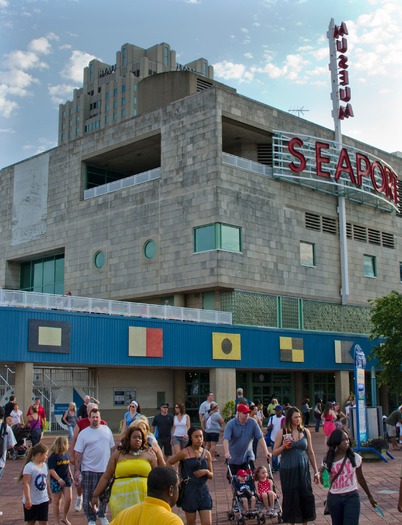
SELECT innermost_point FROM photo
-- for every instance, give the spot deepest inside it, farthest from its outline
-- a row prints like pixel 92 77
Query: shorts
pixel 55 487
pixel 165 445
pixel 37 512
pixel 211 437
pixel 176 440
pixel 391 430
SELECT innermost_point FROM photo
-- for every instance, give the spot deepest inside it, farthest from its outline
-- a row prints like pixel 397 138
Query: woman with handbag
pixel 127 472
pixel 345 470
pixel 196 470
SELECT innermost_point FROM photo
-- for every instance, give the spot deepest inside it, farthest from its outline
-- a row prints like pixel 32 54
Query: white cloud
pixel 4 3
pixel 8 131
pixel 76 63
pixel 60 93
pixel 248 55
pixel 41 46
pixel 43 144
pixel 228 70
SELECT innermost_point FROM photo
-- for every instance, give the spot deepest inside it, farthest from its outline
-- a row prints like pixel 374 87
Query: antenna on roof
pixel 299 111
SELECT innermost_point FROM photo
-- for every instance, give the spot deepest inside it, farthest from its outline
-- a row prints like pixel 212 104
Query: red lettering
pixel 344 78
pixel 342 46
pixel 345 94
pixel 344 166
pixel 294 167
pixel 341 30
pixel 343 62
pixel 378 166
pixel 320 160
pixel 360 170
pixel 393 186
pixel 345 112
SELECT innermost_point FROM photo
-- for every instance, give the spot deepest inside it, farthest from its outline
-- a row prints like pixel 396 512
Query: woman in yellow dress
pixel 142 422
pixel 129 465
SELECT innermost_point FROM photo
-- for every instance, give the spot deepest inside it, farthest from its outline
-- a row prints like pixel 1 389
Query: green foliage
pixel 228 410
pixel 386 318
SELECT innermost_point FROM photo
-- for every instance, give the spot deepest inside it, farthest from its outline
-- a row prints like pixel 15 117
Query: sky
pixel 273 51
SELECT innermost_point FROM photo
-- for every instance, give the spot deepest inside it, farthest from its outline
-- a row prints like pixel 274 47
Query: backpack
pixel 3 438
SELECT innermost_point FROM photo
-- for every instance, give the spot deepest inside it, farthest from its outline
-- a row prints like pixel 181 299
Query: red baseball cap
pixel 241 473
pixel 244 409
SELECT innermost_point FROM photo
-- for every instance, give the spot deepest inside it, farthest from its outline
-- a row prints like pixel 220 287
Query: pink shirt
pixel 346 481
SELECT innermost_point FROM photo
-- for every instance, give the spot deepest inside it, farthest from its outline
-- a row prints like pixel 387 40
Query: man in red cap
pixel 238 440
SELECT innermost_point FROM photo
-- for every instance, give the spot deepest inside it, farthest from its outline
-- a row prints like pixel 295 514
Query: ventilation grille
pixel 202 84
pixel 264 154
pixel 356 232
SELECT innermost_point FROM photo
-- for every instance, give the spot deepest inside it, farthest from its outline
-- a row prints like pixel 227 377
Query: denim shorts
pixel 182 441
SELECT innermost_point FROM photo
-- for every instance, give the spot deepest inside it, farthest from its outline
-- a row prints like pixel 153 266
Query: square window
pixel 370 269
pixel 307 253
pixel 204 238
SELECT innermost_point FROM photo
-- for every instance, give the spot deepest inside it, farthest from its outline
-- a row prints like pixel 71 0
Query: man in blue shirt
pixel 238 440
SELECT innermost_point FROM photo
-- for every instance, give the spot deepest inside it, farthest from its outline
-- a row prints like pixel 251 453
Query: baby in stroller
pixel 264 490
pixel 245 491
pixel 21 435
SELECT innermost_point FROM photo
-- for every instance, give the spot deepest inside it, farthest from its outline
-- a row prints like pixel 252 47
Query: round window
pixel 99 259
pixel 150 249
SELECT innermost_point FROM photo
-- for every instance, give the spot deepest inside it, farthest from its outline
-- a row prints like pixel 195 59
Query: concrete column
pixel 24 385
pixel 222 382
pixel 342 387
pixel 299 389
pixel 178 386
pixel 179 300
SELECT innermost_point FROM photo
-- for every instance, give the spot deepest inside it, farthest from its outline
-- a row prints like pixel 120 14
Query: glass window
pixel 150 249
pixel 166 55
pixel 123 101
pixel 123 88
pixel 123 113
pixel 99 259
pixel 43 275
pixel 369 266
pixel 115 92
pixel 107 95
pixel 124 56
pixel 217 237
pixel 307 253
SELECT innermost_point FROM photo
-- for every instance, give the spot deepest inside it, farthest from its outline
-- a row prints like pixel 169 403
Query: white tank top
pixel 180 427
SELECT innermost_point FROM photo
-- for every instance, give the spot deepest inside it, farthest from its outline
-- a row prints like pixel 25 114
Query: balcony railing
pixel 120 184
pixel 246 164
pixel 93 305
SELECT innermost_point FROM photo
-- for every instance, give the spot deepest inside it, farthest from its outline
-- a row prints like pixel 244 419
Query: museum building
pixel 193 245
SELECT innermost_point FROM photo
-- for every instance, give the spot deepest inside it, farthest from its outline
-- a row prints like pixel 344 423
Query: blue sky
pixel 274 51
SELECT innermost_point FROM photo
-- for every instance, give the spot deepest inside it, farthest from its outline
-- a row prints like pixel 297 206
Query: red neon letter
pixel 341 30
pixel 379 189
pixel 362 172
pixel 320 160
pixel 342 46
pixel 292 143
pixel 344 165
pixel 393 186
pixel 343 77
pixel 343 62
pixel 345 94
pixel 345 112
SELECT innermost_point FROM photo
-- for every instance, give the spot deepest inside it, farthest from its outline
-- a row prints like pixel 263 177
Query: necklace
pixel 135 452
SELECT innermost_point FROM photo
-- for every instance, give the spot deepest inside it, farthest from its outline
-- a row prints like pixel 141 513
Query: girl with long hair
pixel 36 496
pixel 196 470
pixel 293 444
pixel 60 478
pixel 345 469
pixel 329 418
pixel 181 424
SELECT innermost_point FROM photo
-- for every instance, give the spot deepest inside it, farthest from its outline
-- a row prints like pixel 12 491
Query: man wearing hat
pixel 238 439
pixel 275 423
pixel 162 425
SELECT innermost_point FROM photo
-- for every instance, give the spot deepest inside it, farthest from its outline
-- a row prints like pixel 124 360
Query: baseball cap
pixel 244 409
pixel 242 473
pixel 278 407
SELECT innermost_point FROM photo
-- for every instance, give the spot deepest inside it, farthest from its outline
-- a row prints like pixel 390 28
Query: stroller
pixel 236 513
pixel 21 434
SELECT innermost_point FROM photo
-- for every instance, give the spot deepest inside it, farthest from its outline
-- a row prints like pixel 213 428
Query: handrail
pixel 93 305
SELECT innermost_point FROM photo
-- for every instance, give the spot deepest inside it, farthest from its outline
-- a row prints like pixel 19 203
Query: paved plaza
pixel 383 479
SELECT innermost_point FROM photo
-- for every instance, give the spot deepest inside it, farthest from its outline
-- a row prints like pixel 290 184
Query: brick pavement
pixel 383 479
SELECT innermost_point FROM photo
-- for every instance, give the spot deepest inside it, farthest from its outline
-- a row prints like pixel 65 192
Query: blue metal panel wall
pixel 102 340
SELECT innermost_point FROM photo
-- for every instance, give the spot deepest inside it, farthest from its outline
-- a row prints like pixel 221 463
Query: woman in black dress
pixel 196 470
pixel 293 444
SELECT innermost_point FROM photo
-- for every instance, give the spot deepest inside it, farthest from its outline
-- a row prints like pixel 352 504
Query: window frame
pixel 313 262
pixel 219 238
pixel 372 258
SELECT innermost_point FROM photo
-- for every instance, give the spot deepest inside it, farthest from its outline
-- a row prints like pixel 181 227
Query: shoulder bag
pixel 184 482
pixel 326 511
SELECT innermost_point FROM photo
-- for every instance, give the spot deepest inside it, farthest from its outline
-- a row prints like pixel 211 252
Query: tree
pixel 386 318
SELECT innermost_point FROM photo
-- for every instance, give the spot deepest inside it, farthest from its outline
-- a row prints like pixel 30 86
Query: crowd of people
pixel 121 475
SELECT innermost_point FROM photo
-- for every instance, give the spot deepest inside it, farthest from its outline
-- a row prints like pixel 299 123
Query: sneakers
pixel 78 506
pixel 91 522
pixel 272 513
pixel 103 520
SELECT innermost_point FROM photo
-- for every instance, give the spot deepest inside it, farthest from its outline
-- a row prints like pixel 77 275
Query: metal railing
pixel 246 164
pixel 19 298
pixel 120 184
